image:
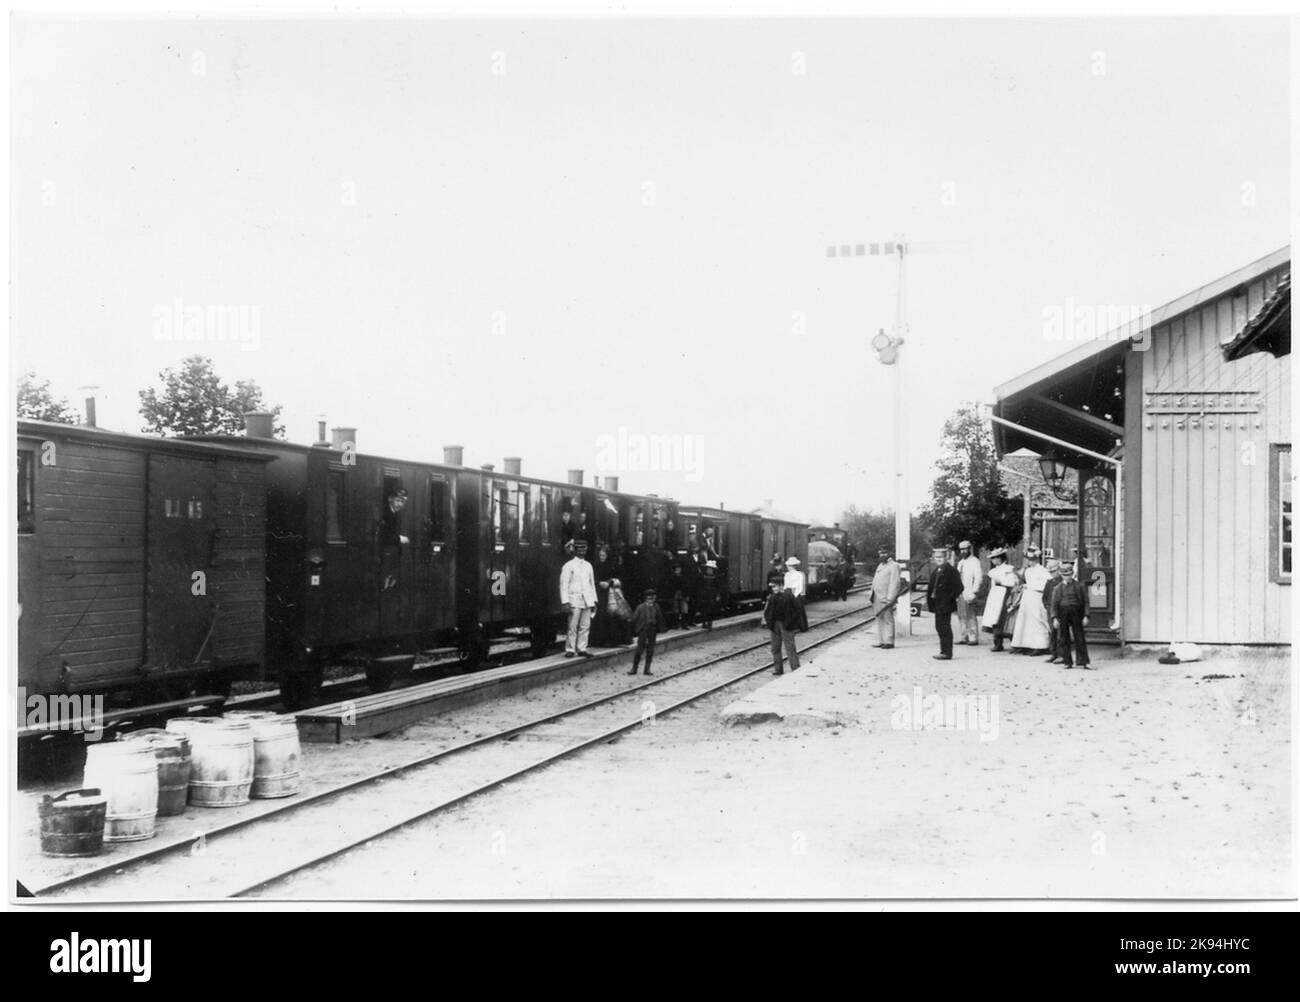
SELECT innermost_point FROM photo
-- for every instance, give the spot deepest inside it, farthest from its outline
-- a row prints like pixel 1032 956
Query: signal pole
pixel 888 352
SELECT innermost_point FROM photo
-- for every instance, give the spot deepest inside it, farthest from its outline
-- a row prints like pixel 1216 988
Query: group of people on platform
pixel 1041 608
pixel 595 597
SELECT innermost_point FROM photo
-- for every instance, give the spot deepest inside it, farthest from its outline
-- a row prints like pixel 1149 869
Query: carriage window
pixel 524 512
pixel 334 507
pixel 637 513
pixel 394 504
pixel 195 508
pixel 437 510
pixel 1280 532
pixel 720 539
pixel 171 508
pixel 544 514
pixel 494 500
pixel 26 491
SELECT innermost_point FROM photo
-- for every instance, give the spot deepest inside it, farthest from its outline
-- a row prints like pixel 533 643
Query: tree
pixel 194 401
pixel 968 499
pixel 869 530
pixel 37 403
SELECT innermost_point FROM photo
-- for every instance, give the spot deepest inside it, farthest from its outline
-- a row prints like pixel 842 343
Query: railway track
pixel 339 689
pixel 238 859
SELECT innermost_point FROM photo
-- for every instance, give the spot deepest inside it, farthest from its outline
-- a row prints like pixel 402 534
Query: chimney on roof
pixel 575 477
pixel 345 436
pixel 611 484
pixel 259 424
pixel 488 467
pixel 453 455
pixel 321 440
pixel 514 466
pixel 90 412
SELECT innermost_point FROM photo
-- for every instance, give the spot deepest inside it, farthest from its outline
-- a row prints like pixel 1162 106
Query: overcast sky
pixel 530 237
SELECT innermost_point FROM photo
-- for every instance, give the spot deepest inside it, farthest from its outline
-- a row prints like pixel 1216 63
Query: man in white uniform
pixel 578 593
pixel 972 576
pixel 885 587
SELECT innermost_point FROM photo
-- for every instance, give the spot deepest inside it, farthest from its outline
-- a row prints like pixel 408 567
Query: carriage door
pixel 439 554
pixel 501 520
pixel 1097 537
pixel 181 543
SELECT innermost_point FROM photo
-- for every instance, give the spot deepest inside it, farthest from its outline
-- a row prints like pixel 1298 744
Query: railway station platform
pixel 853 684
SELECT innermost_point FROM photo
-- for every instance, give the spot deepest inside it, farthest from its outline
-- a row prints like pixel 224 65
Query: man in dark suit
pixel 941 596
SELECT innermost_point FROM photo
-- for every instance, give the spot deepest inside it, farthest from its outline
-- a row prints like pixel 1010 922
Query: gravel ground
pixel 1135 781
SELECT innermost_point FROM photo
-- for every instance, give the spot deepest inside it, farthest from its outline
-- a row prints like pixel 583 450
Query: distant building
pixel 1179 432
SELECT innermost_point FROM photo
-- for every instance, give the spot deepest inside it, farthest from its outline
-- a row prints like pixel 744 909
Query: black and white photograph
pixel 608 456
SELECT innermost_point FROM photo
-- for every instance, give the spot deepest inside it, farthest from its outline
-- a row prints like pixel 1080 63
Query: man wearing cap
pixel 941 598
pixel 1054 569
pixel 578 593
pixel 392 538
pixel 777 571
pixel 885 588
pixel 782 616
pixel 647 621
pixel 1070 616
pixel 972 576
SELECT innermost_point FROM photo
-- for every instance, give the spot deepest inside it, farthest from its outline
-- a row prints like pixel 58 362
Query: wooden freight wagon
pixel 783 536
pixel 140 562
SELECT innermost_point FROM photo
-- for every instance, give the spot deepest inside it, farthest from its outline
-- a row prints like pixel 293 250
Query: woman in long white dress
pixel 1033 629
pixel 1003 583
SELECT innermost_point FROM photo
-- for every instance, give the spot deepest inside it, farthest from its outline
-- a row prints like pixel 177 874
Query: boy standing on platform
pixel 647 621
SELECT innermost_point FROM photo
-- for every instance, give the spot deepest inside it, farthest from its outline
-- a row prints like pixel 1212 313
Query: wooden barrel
pixel 276 753
pixel 127 773
pixel 221 759
pixel 72 824
pixel 173 752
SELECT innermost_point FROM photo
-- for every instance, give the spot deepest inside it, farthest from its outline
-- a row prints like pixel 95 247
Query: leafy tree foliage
pixel 194 401
pixel 37 403
pixel 967 499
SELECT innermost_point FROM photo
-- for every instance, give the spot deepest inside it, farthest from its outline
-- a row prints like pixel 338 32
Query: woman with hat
pixel 1002 582
pixel 797 585
pixel 1033 629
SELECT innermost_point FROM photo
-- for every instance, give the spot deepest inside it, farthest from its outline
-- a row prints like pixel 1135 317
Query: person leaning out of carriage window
pixel 391 536
pixel 566 530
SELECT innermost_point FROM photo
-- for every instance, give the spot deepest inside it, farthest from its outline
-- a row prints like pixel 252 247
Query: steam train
pixel 149 566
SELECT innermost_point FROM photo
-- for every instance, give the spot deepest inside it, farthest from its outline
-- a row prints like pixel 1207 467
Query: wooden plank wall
pixel 239 565
pixel 90 516
pixel 1204 534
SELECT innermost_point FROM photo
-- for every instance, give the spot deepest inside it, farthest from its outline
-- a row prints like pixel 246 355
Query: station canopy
pixel 1077 397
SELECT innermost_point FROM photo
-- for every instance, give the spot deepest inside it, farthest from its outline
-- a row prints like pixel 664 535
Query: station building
pixel 1178 429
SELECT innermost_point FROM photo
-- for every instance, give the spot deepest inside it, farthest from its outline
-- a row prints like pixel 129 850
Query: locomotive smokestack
pixel 259 424
pixel 611 484
pixel 575 477
pixel 514 466
pixel 453 455
pixel 342 436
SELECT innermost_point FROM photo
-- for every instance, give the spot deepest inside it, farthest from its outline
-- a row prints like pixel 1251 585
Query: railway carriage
pixel 141 562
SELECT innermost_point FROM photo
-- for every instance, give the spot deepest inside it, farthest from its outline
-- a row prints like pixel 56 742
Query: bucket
pixel 276 753
pixel 72 824
pixel 221 759
pixel 173 752
pixel 127 773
